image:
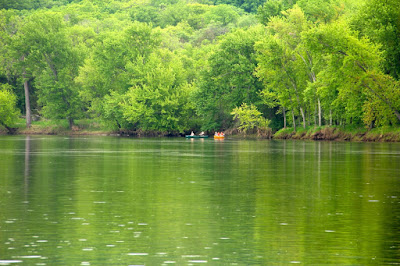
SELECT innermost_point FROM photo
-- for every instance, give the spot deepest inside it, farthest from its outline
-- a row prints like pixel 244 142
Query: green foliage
pixel 249 118
pixel 380 21
pixel 282 63
pixel 111 111
pixel 108 72
pixel 229 80
pixel 272 8
pixel 8 111
pixel 24 4
pixel 383 97
pixel 223 14
pixel 54 61
pixel 356 65
pixel 247 5
pixel 320 11
pixel 159 98
pixel 174 65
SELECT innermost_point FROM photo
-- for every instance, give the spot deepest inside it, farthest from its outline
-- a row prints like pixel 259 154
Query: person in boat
pixel 202 133
pixel 219 134
pixel 192 134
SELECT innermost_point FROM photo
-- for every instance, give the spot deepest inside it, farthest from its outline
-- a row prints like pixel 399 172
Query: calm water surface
pixel 120 201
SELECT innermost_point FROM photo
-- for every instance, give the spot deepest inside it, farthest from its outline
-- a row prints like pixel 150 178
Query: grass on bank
pixel 61 126
pixel 341 133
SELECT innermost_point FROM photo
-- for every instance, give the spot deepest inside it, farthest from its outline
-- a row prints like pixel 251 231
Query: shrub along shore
pixel 325 133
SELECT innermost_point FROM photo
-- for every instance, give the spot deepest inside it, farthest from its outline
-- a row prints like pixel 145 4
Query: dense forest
pixel 179 65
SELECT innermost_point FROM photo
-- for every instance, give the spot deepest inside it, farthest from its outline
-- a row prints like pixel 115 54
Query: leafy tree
pixel 146 14
pixel 223 14
pixel 320 11
pixel 379 21
pixel 249 118
pixel 229 81
pixel 381 89
pixel 272 8
pixel 159 98
pixel 13 55
pixel 284 76
pixel 356 62
pixel 53 61
pixel 109 72
pixel 8 111
pixel 111 111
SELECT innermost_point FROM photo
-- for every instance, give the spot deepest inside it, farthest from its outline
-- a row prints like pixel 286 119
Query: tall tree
pixel 158 99
pixel 49 55
pixel 108 71
pixel 229 81
pixel 356 63
pixel 284 74
pixel 380 22
pixel 13 55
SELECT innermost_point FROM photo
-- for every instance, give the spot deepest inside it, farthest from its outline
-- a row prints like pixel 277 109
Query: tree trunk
pixel 27 104
pixel 319 113
pixel 284 116
pixel 330 117
pixel 71 122
pixel 315 115
pixel 303 116
pixel 27 101
pixel 299 104
pixel 294 121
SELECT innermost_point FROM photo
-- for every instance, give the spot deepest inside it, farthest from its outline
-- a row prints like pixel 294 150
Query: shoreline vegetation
pixel 164 68
pixel 324 133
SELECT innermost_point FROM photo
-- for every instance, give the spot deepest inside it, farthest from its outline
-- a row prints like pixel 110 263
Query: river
pixel 175 201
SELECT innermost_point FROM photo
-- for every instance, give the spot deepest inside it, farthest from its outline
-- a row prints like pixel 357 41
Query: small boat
pixel 219 137
pixel 196 136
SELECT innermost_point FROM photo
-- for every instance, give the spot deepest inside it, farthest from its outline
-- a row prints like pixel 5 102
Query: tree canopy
pixel 176 66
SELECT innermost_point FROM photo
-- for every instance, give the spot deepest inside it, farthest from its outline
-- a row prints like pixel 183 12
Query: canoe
pixel 219 137
pixel 196 137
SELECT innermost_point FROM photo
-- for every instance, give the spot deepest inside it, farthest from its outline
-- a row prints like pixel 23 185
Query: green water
pixel 122 201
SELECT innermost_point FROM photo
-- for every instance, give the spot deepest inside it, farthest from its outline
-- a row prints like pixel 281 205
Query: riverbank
pixel 81 128
pixel 339 133
pixel 328 133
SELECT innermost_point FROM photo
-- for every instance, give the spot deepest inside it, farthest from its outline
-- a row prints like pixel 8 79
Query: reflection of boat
pixel 219 137
pixel 196 137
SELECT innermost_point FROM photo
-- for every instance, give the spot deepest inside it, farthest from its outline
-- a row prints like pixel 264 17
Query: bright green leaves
pixel 8 111
pixel 247 5
pixel 284 65
pixel 249 118
pixel 380 21
pixel 44 53
pixel 383 104
pixel 134 84
pixel 229 81
pixel 141 39
pixel 355 64
pixel 318 65
pixel 95 59
pixel 111 67
pixel 159 98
